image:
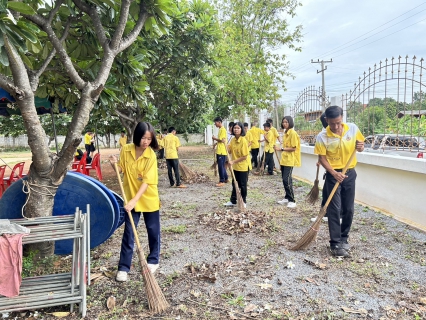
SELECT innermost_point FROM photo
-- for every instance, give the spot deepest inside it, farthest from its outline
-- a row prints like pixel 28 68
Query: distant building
pixel 413 113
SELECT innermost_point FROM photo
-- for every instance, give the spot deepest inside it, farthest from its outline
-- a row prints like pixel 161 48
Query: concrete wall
pixel 394 185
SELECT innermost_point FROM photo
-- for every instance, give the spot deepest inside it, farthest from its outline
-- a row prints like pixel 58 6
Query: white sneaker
pixel 229 204
pixel 121 276
pixel 283 201
pixel 153 267
pixel 245 205
pixel 291 205
pixel 325 219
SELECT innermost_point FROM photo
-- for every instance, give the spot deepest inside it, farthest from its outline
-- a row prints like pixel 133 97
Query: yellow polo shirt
pixel 122 141
pixel 171 143
pixel 87 138
pixel 291 140
pixel 160 141
pixel 276 134
pixel 338 149
pixel 249 139
pixel 136 171
pixel 239 148
pixel 255 133
pixel 269 145
pixel 221 149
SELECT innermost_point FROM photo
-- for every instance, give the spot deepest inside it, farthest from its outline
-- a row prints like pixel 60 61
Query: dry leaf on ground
pixel 111 303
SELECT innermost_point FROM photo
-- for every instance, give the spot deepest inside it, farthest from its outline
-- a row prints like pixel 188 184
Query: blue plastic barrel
pixel 76 190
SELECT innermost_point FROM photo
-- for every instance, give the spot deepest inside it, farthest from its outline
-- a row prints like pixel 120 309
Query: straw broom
pixel 312 196
pixel 312 232
pixel 188 174
pixel 262 168
pixel 156 301
pixel 240 200
pixel 214 165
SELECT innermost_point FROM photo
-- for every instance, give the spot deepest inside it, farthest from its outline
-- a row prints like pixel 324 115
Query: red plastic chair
pixel 2 188
pixel 80 165
pixel 95 165
pixel 15 175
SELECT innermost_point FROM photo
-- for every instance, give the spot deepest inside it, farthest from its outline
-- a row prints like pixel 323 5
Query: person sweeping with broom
pixel 138 162
pixel 334 147
pixel 240 162
pixel 290 158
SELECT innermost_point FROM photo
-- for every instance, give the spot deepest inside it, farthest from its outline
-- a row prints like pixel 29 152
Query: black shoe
pixel 339 252
pixel 345 245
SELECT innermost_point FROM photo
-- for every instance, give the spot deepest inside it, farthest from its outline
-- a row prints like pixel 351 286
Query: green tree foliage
pixel 250 71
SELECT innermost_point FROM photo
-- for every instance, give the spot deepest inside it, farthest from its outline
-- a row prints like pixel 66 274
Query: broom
pixel 187 174
pixel 214 165
pixel 240 200
pixel 156 301
pixel 312 232
pixel 312 196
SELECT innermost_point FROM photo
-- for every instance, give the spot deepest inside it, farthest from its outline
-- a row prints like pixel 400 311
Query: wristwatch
pixel 282 149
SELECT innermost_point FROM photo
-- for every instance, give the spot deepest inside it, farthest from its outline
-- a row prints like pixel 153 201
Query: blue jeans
pixel 221 167
pixel 152 223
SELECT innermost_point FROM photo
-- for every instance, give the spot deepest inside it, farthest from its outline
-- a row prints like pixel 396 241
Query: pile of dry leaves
pixel 231 221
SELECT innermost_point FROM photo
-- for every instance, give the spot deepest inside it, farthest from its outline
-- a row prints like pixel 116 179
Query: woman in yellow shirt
pixel 138 162
pixel 239 152
pixel 290 158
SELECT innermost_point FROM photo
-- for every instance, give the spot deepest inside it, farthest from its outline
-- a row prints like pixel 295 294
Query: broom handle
pixel 318 166
pixel 337 183
pixel 138 245
pixel 237 189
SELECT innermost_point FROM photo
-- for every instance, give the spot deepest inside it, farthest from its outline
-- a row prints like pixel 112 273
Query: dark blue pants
pixel 286 175
pixel 221 168
pixel 152 223
pixel 173 164
pixel 341 206
pixel 254 157
pixel 269 161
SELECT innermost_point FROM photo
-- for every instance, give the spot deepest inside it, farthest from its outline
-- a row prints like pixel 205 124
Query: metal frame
pixel 56 289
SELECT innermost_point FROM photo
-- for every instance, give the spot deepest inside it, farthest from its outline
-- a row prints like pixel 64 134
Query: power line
pixel 307 63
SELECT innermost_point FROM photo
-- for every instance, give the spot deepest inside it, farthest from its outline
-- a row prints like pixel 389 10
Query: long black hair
pixel 243 131
pixel 290 123
pixel 140 130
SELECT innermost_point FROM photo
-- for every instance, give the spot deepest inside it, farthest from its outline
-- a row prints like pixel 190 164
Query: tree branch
pixel 131 37
pixel 123 116
pixel 54 11
pixel 6 84
pixel 118 33
pixel 63 55
pixel 97 24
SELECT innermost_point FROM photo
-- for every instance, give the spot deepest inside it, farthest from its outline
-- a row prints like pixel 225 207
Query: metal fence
pixel 388 104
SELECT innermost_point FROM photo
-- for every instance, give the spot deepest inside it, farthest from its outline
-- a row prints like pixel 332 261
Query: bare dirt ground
pixel 218 264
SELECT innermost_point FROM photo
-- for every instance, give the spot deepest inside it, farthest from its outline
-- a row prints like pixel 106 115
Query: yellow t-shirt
pixel 269 145
pixel 255 133
pixel 249 139
pixel 291 159
pixel 171 143
pixel 338 149
pixel 87 138
pixel 136 171
pixel 221 149
pixel 276 134
pixel 239 148
pixel 122 141
pixel 160 141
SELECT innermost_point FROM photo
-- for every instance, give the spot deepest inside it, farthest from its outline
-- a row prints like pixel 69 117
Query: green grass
pixel 175 229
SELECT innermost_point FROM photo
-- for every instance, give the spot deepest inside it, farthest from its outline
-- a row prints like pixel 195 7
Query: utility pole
pixel 323 80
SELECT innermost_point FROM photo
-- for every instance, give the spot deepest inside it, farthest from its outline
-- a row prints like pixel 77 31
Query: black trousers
pixel 173 164
pixel 161 154
pixel 269 161
pixel 341 206
pixel 254 156
pixel 286 173
pixel 242 179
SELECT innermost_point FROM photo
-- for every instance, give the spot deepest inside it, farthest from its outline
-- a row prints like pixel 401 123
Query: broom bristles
pixel 157 303
pixel 188 174
pixel 313 195
pixel 311 234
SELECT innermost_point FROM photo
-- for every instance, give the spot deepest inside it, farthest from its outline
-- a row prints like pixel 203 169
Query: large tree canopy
pixel 72 45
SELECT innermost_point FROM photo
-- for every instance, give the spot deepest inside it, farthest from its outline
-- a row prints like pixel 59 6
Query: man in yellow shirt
pixel 171 147
pixel 122 141
pixel 255 145
pixel 221 151
pixel 275 131
pixel 88 139
pixel 270 139
pixel 334 147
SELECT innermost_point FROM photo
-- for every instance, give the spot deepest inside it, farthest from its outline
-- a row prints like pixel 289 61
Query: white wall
pixel 393 184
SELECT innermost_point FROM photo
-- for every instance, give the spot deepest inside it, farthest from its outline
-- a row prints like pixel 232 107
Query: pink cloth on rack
pixel 10 264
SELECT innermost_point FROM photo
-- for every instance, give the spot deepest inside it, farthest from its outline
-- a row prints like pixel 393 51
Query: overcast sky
pixel 356 35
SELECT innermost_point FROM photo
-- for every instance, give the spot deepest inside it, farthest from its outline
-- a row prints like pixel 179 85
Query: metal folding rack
pixel 56 289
